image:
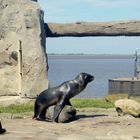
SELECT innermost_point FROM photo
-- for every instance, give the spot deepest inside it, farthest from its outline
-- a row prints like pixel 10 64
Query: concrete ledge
pixel 13 100
pixel 81 29
pixel 125 85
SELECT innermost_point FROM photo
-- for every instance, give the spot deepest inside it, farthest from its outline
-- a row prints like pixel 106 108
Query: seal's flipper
pixel 36 110
pixel 2 130
pixel 43 113
pixel 57 110
pixel 67 102
pixel 39 112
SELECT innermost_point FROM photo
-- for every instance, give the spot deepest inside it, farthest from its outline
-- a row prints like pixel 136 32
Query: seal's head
pixel 85 78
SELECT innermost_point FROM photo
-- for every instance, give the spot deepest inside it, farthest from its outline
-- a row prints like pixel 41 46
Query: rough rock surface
pixel 125 28
pixel 128 106
pixel 67 114
pixel 93 124
pixel 13 100
pixel 23 65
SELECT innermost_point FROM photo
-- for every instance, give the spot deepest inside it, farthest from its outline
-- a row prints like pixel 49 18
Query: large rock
pixel 80 29
pixel 23 62
pixel 128 106
pixel 67 114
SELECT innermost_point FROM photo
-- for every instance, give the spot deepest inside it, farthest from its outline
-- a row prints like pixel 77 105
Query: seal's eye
pixel 86 76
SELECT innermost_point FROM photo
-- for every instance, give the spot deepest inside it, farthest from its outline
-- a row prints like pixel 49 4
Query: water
pixel 66 68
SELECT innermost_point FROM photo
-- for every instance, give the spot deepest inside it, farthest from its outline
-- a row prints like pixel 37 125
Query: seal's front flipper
pixel 67 102
pixel 58 108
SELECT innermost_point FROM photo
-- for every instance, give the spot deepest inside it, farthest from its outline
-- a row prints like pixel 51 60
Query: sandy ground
pixel 92 124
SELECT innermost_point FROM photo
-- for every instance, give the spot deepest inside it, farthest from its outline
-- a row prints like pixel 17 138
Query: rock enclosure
pixel 23 62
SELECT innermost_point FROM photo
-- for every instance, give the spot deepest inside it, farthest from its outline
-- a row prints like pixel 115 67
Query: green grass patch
pixel 108 102
pixel 77 103
pixel 13 109
pixel 86 103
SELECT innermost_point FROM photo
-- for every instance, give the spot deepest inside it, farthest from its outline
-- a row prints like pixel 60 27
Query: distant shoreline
pixel 89 56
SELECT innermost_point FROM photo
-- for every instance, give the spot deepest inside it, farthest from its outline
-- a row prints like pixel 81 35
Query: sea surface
pixel 66 67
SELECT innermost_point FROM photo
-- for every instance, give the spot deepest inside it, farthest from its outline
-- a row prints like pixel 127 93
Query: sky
pixel 63 11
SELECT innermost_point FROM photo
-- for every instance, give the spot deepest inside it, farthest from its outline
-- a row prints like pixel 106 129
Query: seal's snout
pixel 91 78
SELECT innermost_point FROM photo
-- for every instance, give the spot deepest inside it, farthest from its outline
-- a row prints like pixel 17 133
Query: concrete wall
pixel 130 87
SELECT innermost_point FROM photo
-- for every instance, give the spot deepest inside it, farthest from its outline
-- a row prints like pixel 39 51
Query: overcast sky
pixel 63 11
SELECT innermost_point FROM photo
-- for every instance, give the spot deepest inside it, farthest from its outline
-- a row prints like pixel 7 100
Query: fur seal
pixel 60 96
pixel 2 130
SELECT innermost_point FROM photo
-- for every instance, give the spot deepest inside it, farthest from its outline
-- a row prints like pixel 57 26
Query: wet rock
pixel 127 106
pixel 67 114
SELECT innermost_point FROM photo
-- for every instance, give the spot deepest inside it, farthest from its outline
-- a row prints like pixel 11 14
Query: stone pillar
pixel 22 20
